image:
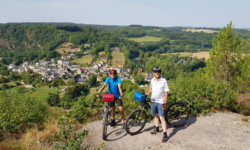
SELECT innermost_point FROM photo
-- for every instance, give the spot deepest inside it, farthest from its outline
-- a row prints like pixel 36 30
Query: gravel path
pixel 216 131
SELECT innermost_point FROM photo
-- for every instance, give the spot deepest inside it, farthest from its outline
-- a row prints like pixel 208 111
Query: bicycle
pixel 106 113
pixel 176 115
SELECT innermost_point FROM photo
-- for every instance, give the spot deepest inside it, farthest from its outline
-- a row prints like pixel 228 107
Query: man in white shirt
pixel 159 89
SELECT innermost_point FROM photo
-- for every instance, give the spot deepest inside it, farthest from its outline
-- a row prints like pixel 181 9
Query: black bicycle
pixel 176 115
pixel 106 113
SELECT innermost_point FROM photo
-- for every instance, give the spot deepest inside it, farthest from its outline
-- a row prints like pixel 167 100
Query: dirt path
pixel 217 131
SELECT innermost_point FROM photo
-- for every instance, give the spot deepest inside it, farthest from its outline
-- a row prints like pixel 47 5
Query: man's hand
pixel 164 106
pixel 121 96
pixel 97 95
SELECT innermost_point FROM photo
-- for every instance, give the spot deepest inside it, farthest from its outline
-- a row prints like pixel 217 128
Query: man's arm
pixel 166 97
pixel 103 86
pixel 149 91
pixel 120 89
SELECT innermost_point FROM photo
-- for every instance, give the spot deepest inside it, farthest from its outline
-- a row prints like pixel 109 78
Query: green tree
pixel 53 99
pixel 226 56
pixel 139 78
pixel 92 80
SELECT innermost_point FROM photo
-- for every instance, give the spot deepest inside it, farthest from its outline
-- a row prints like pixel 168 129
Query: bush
pixel 244 102
pixel 20 111
pixel 202 94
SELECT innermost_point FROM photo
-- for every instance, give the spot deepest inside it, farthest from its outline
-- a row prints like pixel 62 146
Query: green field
pixel 145 39
pixel 84 60
pixel 117 57
pixel 41 93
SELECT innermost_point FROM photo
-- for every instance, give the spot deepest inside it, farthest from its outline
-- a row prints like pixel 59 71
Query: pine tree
pixel 226 57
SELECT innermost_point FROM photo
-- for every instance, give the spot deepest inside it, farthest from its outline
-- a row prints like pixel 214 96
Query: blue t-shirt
pixel 113 85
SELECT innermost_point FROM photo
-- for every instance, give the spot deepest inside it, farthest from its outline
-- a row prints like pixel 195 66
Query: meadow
pixel 66 47
pixel 117 57
pixel 86 59
pixel 198 54
pixel 201 30
pixel 145 39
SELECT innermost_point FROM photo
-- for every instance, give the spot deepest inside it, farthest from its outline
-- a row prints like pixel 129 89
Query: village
pixel 64 69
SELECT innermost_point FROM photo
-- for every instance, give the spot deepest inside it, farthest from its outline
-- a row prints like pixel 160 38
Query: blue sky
pixel 195 13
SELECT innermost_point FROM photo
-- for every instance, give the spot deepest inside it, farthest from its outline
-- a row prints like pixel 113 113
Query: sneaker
pixel 112 122
pixel 155 131
pixel 164 138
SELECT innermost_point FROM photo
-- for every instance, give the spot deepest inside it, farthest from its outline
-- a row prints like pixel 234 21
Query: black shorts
pixel 118 101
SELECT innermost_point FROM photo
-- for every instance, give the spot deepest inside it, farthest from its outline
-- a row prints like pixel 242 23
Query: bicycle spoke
pixel 135 122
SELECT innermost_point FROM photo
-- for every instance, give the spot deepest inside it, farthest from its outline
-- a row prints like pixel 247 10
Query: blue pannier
pixel 139 96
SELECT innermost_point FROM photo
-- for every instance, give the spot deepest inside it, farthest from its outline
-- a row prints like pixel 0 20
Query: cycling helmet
pixel 156 69
pixel 113 71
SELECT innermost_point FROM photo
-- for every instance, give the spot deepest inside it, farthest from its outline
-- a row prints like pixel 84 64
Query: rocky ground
pixel 216 131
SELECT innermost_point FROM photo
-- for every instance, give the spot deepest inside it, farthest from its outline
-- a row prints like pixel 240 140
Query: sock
pixel 165 133
pixel 157 128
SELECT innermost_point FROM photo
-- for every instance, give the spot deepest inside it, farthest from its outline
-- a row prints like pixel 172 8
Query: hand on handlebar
pixel 97 95
pixel 164 106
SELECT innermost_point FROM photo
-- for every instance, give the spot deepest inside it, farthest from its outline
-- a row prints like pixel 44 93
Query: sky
pixel 164 13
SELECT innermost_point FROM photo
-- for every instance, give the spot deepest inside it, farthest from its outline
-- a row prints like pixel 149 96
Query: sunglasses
pixel 157 71
pixel 112 73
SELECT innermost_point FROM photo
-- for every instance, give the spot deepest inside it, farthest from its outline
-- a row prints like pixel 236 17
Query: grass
pixel 84 60
pixel 101 53
pixel 198 54
pixel 41 93
pixel 201 30
pixel 66 47
pixel 145 39
pixel 117 57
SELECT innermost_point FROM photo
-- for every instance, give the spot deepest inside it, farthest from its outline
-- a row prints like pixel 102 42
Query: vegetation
pixel 221 82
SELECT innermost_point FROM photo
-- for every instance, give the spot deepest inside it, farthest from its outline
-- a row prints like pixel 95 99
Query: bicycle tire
pixel 105 126
pixel 135 121
pixel 177 114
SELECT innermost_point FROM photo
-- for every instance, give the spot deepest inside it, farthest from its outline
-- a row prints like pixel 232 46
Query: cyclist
pixel 115 87
pixel 159 89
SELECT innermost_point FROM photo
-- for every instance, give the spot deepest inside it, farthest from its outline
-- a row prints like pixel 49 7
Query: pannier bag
pixel 108 97
pixel 139 96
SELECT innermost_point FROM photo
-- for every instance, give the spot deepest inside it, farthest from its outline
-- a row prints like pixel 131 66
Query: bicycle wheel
pixel 135 122
pixel 177 114
pixel 105 125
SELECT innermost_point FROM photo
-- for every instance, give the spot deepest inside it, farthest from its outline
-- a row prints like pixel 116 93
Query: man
pixel 159 89
pixel 115 87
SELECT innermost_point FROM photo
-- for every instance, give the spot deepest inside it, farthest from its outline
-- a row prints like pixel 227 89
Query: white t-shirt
pixel 159 88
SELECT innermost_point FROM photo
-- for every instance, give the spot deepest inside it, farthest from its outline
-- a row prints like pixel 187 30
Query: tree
pixel 225 58
pixel 53 99
pixel 139 78
pixel 92 80
pixel 71 82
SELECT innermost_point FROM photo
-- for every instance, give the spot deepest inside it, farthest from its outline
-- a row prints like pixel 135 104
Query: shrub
pixel 20 111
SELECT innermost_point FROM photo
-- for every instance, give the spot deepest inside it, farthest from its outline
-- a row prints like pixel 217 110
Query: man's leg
pixel 122 113
pixel 164 124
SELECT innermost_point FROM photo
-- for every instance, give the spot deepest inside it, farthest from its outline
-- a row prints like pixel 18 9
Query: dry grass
pixel 117 57
pixel 201 30
pixel 197 55
pixel 101 53
pixel 31 140
pixel 201 55
pixel 66 47
pixel 84 60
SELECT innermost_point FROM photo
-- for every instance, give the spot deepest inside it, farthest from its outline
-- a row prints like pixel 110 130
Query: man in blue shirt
pixel 115 87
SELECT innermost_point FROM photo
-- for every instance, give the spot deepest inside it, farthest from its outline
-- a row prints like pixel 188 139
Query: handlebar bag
pixel 108 97
pixel 139 96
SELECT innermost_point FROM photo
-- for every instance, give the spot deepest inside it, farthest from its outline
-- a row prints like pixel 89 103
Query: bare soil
pixel 216 131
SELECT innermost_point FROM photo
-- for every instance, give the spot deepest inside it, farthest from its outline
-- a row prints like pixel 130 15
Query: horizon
pixel 246 28
pixel 160 13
